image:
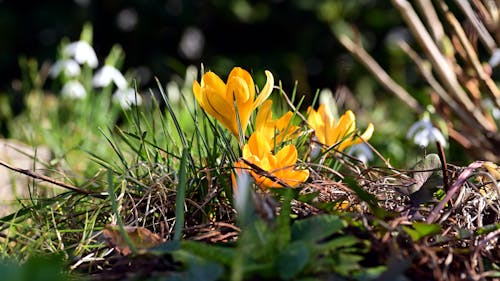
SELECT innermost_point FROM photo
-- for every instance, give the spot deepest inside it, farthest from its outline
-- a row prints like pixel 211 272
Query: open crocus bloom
pixel 276 168
pixel 223 100
pixel 276 131
pixel 340 133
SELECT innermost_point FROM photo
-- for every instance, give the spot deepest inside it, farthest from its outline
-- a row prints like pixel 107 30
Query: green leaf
pixel 427 174
pixel 198 268
pixel 316 228
pixel 293 259
pixel 339 242
pixel 283 221
pixel 165 248
pixel 420 230
pixel 488 228
pixel 223 255
pixel 180 196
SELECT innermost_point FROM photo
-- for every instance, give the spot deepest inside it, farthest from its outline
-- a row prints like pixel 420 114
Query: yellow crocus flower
pixel 275 131
pixel 276 168
pixel 340 133
pixel 222 100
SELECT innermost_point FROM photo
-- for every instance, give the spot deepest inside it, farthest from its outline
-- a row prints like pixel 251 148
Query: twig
pixel 471 55
pixel 441 65
pixel 444 166
pixel 430 15
pixel 484 35
pixel 38 176
pixel 427 74
pixel 459 182
pixel 380 74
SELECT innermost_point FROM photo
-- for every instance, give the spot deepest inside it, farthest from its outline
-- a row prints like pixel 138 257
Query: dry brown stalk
pixel 441 65
pixel 380 74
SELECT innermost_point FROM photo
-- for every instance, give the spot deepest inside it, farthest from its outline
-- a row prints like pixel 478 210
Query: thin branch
pixel 444 166
pixel 430 15
pixel 471 54
pixel 426 72
pixel 441 65
pixel 484 35
pixel 44 178
pixel 363 57
pixel 454 188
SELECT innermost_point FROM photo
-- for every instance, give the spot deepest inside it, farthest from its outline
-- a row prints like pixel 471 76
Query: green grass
pixel 164 168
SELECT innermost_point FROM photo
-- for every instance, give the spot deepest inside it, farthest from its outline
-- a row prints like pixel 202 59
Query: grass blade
pixel 180 196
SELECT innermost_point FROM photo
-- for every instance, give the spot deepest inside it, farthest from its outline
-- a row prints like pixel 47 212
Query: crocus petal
pixel 238 93
pixel 287 155
pixel 293 177
pixel 266 91
pixel 223 101
pixel 316 122
pixel 258 145
pixel 281 166
pixel 209 96
pixel 264 114
pixel 340 133
pixel 240 73
pixel 345 128
pixel 367 134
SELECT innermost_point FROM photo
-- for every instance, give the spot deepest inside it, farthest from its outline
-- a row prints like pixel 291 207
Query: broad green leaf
pixel 223 255
pixel 166 248
pixel 348 263
pixel 342 241
pixel 427 174
pixel 316 228
pixel 293 259
pixel 198 268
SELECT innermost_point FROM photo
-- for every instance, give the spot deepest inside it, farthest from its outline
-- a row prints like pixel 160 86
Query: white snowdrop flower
pixel 108 73
pixel 70 68
pixel 191 75
pixel 423 132
pixel 74 90
pixel 173 92
pixel 82 52
pixel 362 152
pixel 127 97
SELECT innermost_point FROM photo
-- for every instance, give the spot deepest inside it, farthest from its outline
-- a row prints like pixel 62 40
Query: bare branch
pixel 441 65
pixel 484 35
pixel 361 55
pixel 471 54
pixel 50 180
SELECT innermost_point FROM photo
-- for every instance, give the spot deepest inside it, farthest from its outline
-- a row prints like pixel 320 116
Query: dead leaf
pixel 140 237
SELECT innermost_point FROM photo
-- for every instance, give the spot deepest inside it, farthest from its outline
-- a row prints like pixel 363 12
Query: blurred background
pixel 291 38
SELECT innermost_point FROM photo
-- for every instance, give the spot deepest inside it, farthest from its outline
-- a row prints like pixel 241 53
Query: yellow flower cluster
pixel 232 104
pixel 340 134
